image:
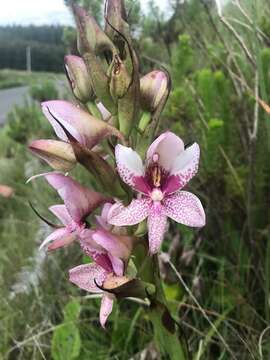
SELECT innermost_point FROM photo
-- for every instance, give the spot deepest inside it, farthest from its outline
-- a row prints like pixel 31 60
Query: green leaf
pixel 66 342
pixel 166 333
pixel 72 310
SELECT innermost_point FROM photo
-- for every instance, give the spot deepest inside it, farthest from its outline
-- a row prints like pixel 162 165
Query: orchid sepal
pixel 58 154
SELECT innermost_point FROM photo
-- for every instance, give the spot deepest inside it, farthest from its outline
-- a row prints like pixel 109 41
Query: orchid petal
pixel 66 114
pixel 184 168
pixel 85 128
pixel 167 147
pixel 60 211
pixel 104 112
pixel 87 276
pixel 157 223
pixel 62 242
pixel 111 243
pixel 102 220
pixel 57 234
pixel 79 200
pixel 106 307
pixel 185 208
pixel 94 250
pixel 134 213
pixel 117 264
pixel 58 154
pixel 130 168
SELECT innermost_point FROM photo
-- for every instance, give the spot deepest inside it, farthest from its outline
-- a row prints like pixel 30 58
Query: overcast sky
pixel 40 12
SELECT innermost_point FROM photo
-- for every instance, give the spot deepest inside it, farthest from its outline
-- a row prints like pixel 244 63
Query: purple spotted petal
pixel 185 208
pixel 106 307
pixel 167 147
pixel 85 276
pixel 133 214
pixel 184 168
pixel 130 168
pixel 157 224
pixel 79 200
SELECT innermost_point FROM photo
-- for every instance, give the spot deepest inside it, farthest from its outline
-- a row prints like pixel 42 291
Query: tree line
pixel 45 42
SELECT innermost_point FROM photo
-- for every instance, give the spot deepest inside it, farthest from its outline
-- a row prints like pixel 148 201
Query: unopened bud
pixel 154 86
pixel 79 78
pixel 90 36
pixel 119 79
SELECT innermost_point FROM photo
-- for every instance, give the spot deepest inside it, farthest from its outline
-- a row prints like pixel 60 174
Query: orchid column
pixel 109 129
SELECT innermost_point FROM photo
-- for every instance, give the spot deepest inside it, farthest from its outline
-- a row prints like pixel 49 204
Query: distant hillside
pixel 47 48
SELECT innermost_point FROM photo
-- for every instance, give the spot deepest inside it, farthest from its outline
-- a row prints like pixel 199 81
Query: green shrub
pixel 44 91
pixel 27 122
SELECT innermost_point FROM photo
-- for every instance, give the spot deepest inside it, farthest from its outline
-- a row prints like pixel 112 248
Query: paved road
pixel 9 98
pixel 17 96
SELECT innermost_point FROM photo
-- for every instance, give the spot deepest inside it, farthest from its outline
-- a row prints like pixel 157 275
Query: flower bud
pixel 154 86
pixel 90 36
pixel 78 78
pixel 116 20
pixel 58 154
pixel 119 79
pixel 93 45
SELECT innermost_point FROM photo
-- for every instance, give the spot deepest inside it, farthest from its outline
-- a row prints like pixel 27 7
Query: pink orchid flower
pixel 169 167
pixel 92 277
pixel 109 253
pixel 79 202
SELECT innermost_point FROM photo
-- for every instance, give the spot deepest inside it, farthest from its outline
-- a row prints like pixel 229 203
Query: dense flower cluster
pixel 113 113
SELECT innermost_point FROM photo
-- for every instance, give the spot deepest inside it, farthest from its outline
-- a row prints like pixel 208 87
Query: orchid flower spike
pixel 169 167
pixel 79 202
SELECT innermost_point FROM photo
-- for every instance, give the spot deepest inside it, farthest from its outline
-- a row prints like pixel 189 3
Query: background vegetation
pixel 47 48
pixel 220 68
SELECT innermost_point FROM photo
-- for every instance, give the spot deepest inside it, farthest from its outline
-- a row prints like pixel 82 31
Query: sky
pixel 39 12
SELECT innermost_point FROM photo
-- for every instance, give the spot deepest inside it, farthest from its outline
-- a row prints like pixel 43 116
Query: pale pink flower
pixel 79 202
pixel 168 168
pixel 93 277
pixel 109 251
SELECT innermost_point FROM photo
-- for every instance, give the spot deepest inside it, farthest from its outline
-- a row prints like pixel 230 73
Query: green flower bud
pixel 78 78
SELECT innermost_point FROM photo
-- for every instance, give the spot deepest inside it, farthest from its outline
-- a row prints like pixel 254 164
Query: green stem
pixel 92 107
pixel 144 121
pixel 166 331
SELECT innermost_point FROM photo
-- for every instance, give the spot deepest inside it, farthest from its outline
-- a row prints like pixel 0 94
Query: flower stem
pixel 166 330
